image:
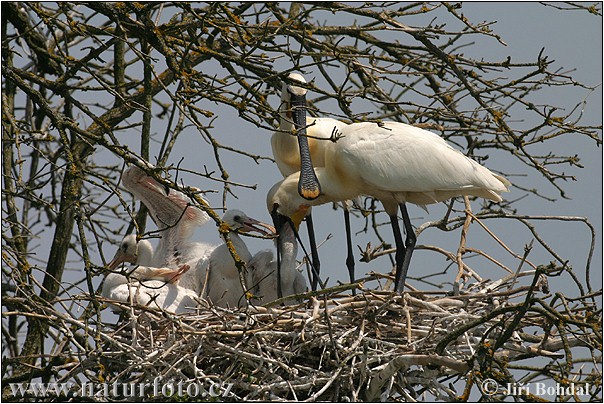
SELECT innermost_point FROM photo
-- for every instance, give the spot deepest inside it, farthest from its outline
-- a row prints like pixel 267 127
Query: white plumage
pixel 263 268
pixel 152 293
pixel 395 163
pixel 145 285
pixel 177 258
pixel 174 214
pixel 285 144
pixel 398 163
pixel 224 286
pixel 132 251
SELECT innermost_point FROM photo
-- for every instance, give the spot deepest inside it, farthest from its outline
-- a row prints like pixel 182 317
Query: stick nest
pixel 372 346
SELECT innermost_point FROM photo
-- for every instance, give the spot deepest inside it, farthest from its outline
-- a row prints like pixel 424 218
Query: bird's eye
pixel 237 218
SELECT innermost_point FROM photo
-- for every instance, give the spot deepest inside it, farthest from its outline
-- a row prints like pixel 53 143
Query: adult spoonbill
pixel 395 163
pixel 224 286
pixel 263 268
pixel 290 143
pixel 176 219
pixel 297 147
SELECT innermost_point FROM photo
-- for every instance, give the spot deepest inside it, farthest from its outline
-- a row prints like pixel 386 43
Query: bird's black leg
pixel 409 247
pixel 400 252
pixel 279 288
pixel 350 256
pixel 315 264
pixel 320 283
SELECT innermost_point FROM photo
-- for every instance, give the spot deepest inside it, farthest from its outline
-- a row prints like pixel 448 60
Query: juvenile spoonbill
pixel 263 268
pixel 224 286
pixel 176 219
pixel 132 251
pixel 153 280
pixel 145 285
pixel 395 163
pixel 153 287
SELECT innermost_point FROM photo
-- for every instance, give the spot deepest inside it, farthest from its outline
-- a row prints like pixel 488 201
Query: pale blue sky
pixel 573 39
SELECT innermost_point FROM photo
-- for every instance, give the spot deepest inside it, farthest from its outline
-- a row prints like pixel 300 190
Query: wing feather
pixel 399 158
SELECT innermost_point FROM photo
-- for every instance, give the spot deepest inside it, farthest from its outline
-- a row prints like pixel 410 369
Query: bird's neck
pixel 239 245
pixel 112 280
pixel 335 188
pixel 288 247
pixel 145 253
pixel 285 123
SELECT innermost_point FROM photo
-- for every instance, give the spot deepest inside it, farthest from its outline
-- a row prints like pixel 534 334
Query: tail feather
pixel 504 181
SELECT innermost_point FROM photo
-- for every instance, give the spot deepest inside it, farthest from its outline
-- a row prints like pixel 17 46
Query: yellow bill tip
pixel 310 193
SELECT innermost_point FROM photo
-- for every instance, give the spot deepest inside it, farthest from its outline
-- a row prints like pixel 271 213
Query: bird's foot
pixel 335 135
pixel 173 275
pixel 370 253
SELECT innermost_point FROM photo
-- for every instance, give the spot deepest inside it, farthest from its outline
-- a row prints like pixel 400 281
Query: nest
pixel 368 347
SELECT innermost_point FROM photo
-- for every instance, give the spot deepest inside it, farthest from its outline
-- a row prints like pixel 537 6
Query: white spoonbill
pixel 151 292
pixel 263 268
pixel 148 286
pixel 224 286
pixel 176 219
pixel 395 163
pixel 285 142
pixel 132 251
pixel 140 253
pixel 153 280
pixel 297 147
